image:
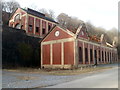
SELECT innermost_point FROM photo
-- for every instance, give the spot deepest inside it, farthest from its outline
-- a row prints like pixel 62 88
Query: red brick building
pixel 33 22
pixel 62 48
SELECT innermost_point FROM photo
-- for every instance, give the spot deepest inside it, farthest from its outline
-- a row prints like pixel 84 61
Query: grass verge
pixel 58 72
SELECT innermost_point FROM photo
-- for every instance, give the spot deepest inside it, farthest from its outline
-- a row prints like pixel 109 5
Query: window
pixel 30 27
pixel 37 29
pixel 49 27
pixel 43 31
pixel 17 17
pixel 18 26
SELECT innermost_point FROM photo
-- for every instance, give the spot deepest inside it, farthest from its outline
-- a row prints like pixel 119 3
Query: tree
pixel 113 35
pixel 98 31
pixel 49 13
pixel 90 28
pixel 10 6
pixel 68 22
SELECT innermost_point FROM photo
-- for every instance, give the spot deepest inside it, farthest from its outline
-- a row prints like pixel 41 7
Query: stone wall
pixel 11 55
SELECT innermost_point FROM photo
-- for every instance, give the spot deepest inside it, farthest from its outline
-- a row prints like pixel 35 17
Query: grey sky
pixel 101 13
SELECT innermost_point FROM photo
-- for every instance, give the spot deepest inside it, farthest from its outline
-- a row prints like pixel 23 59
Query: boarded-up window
pixel 30 24
pixel 57 53
pixel 68 53
pixel 37 25
pixel 46 54
pixel 43 27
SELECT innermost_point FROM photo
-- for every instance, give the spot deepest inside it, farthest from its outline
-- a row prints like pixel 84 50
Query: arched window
pixel 18 26
pixel 17 17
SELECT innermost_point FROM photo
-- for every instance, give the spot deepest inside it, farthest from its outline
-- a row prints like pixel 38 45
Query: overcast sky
pixel 101 13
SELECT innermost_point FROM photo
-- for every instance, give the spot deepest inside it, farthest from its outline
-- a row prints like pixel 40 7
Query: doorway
pixel 80 55
pixel 95 56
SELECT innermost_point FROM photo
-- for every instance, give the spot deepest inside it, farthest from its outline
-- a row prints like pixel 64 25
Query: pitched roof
pixel 38 14
pixel 35 13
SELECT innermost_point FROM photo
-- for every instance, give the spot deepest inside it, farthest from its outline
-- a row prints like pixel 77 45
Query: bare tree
pixel 42 10
pixel 10 6
pixel 90 28
pixel 49 13
pixel 113 35
pixel 68 22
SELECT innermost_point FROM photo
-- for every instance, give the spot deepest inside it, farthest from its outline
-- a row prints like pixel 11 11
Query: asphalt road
pixel 106 79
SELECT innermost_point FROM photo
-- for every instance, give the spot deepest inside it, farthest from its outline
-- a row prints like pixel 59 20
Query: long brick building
pixel 33 22
pixel 62 48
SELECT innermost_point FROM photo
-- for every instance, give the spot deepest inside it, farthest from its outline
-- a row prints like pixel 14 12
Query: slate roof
pixel 38 14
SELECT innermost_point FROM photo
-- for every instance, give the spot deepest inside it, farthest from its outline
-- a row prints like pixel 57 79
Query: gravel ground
pixel 32 80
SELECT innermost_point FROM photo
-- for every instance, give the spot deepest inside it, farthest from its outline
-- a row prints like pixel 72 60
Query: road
pixel 103 78
pixel 106 79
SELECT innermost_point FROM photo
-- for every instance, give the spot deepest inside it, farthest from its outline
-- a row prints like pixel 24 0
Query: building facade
pixel 33 22
pixel 62 48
